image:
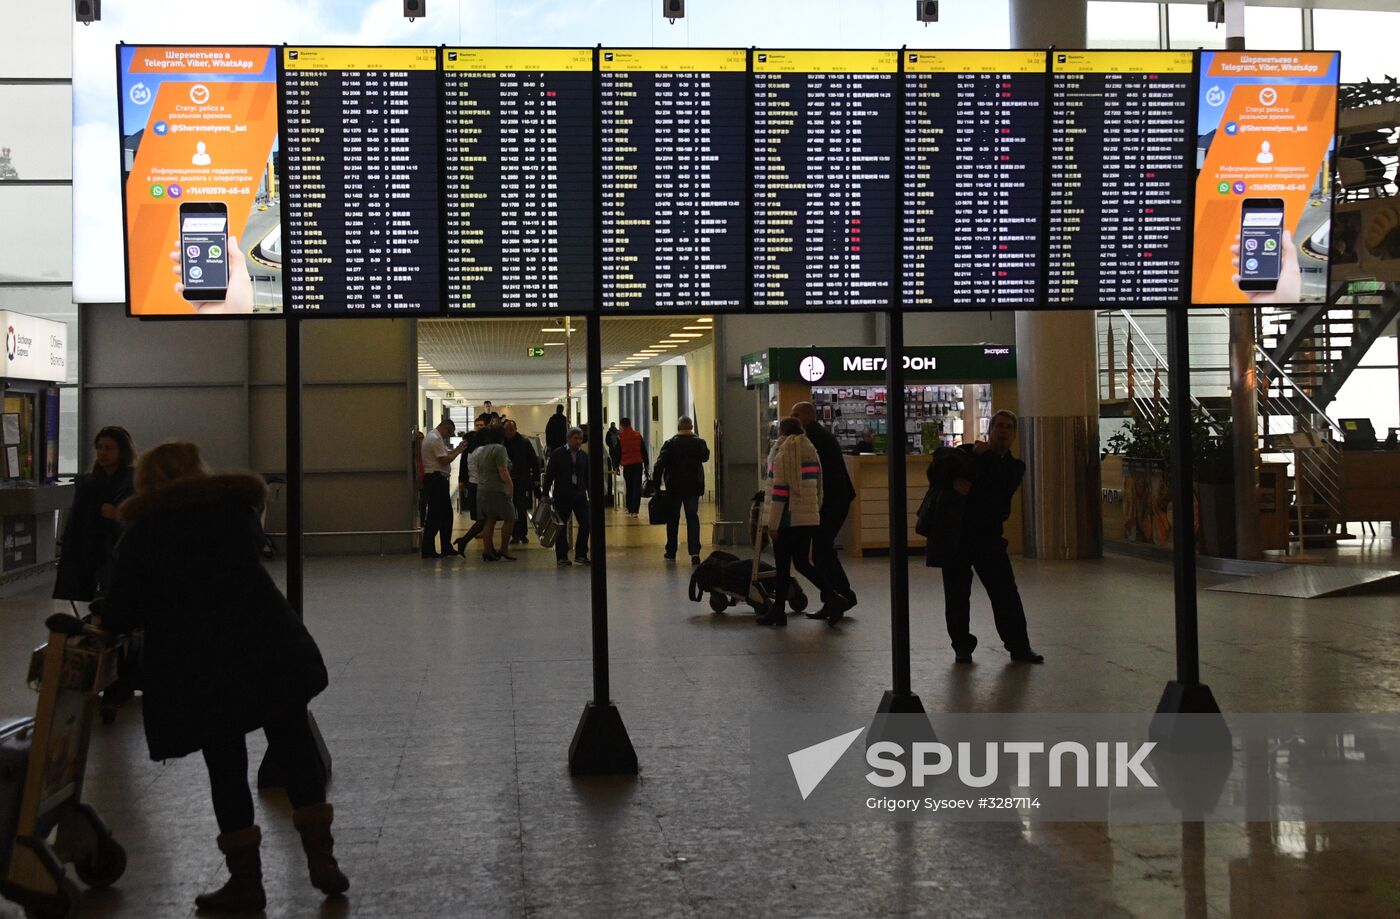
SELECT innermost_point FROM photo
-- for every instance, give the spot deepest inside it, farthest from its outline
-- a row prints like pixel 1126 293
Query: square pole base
pixel 601 745
pixel 270 774
pixel 905 730
pixel 1195 733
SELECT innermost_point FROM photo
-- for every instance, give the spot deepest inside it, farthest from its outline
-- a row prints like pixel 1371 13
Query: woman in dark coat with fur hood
pixel 224 655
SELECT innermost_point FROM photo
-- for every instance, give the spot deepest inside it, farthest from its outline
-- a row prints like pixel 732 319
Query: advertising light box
pixel 1265 133
pixel 200 180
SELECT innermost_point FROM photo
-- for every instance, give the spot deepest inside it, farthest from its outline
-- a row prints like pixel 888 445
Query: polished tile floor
pixel 456 686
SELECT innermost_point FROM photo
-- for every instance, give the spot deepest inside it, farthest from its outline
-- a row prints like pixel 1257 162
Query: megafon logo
pixel 11 343
pixel 1116 765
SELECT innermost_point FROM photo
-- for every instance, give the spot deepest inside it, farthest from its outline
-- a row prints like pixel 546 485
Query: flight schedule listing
pixel 360 189
pixel 674 141
pixel 1120 177
pixel 973 179
pixel 824 198
pixel 519 178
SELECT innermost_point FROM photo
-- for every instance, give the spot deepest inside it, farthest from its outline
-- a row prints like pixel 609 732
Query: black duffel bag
pixel 710 574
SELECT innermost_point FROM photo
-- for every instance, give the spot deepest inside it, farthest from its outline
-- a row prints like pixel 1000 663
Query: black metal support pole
pixel 270 774
pixel 1186 695
pixel 901 699
pixel 600 745
pixel 296 561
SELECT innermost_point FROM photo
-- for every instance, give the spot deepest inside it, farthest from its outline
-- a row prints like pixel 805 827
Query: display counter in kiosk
pixel 35 361
pixel 951 392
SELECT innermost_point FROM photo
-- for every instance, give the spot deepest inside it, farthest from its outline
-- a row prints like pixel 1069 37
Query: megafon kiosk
pixel 35 362
pixel 950 394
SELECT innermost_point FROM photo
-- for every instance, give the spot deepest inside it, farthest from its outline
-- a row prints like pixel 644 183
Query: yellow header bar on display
pixel 826 61
pixel 529 59
pixel 1122 61
pixel 974 61
pixel 674 60
pixel 359 58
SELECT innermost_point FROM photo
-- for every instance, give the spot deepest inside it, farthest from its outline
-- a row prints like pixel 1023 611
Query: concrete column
pixel 1057 369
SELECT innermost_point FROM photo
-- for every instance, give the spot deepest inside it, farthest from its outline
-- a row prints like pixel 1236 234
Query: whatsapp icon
pixel 1223 188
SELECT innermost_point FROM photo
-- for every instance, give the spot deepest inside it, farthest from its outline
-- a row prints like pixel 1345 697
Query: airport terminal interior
pixel 1096 300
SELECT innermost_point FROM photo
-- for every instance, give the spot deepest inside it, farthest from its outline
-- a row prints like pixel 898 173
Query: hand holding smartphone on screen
pixel 1265 259
pixel 213 272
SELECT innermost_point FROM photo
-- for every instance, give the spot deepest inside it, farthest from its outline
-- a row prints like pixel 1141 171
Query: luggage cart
pixel 754 586
pixel 44 823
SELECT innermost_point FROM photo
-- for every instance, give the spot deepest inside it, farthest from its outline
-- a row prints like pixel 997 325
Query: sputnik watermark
pixel 1126 768
pixel 1116 765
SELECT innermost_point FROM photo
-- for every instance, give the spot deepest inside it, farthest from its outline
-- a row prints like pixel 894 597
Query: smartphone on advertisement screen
pixel 1261 243
pixel 204 249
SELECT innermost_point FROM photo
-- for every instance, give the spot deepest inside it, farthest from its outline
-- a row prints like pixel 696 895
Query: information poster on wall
pixel 200 185
pixel 1265 133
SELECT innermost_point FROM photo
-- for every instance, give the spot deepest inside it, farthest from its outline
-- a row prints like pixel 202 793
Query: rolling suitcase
pixel 15 736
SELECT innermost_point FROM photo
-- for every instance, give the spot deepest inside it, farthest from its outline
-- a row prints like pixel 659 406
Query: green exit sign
pixel 537 352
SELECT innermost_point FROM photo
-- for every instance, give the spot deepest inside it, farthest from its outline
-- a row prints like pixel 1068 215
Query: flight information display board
pixel 519 177
pixel 824 198
pixel 360 189
pixel 674 140
pixel 1120 177
pixel 974 177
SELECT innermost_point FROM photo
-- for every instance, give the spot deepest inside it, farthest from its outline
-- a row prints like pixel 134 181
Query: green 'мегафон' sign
pixel 930 364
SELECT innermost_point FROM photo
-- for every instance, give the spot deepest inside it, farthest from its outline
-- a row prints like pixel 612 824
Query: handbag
pixel 660 507
pixel 923 521
pixel 546 522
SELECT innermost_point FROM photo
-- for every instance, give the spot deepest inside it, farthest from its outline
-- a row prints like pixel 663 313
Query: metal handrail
pixel 1131 377
pixel 1284 377
pixel 1210 419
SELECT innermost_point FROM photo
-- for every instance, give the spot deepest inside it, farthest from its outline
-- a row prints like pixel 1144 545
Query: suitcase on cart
pixel 730 580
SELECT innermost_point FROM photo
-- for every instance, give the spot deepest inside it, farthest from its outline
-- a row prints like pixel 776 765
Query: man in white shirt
pixel 437 467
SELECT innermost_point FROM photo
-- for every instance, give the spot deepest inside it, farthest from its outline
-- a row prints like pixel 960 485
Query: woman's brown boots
pixel 243 891
pixel 313 822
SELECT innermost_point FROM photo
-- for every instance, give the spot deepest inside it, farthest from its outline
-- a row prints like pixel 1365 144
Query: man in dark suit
pixel 977 483
pixel 837 495
pixel 567 475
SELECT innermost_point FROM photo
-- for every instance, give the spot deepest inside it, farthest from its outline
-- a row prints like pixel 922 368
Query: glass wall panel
pixel 38 247
pixel 1123 25
pixel 1367 40
pixel 36 132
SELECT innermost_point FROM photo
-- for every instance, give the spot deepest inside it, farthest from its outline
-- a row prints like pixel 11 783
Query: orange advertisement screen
pixel 1265 132
pixel 200 182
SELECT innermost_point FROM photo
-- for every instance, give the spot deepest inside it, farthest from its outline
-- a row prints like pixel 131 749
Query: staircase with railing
pixel 1291 427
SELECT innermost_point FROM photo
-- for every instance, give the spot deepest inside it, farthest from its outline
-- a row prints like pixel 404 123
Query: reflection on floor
pixel 456 686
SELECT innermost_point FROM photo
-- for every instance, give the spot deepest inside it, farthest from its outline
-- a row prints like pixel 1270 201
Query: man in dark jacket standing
pixel 681 466
pixel 986 476
pixel 525 473
pixel 837 495
pixel 556 430
pixel 567 475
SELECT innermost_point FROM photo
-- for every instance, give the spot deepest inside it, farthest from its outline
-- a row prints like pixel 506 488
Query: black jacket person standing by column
pixel 973 487
pixel 837 495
